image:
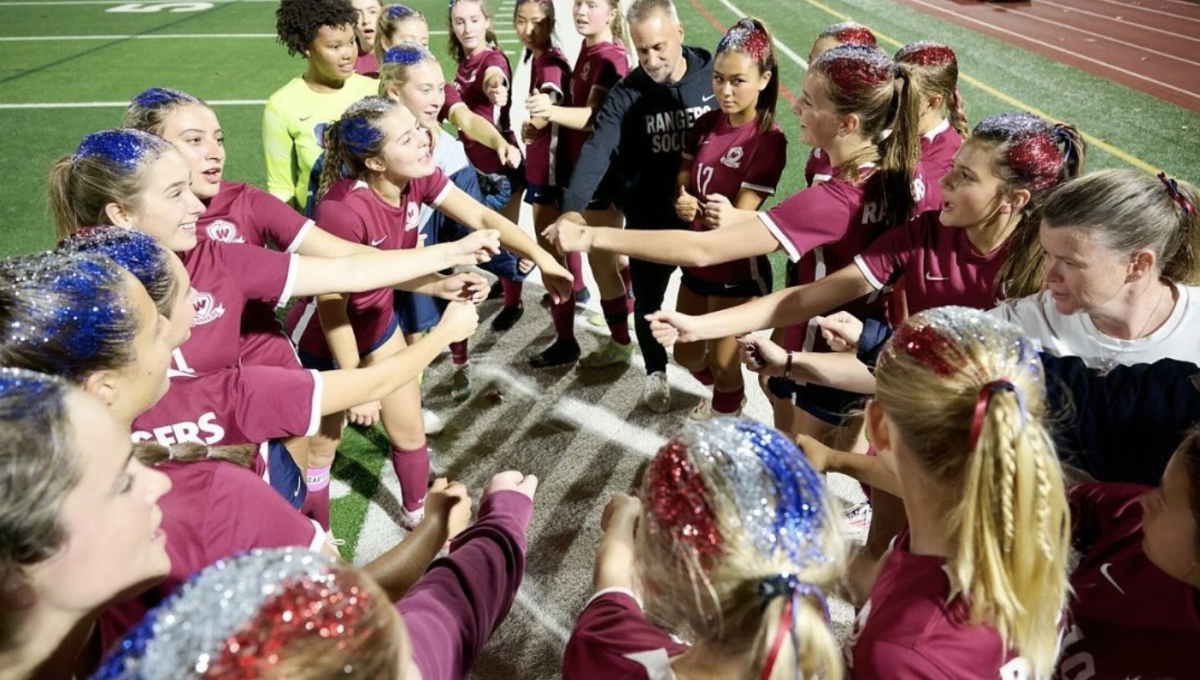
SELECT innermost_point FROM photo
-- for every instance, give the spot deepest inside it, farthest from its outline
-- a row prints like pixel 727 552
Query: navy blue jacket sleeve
pixel 875 334
pixel 598 151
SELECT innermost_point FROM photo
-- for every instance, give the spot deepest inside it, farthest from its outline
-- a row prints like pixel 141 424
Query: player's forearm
pixel 478 128
pixel 398 569
pixel 574 117
pixel 867 469
pixel 515 240
pixel 842 370
pixel 339 334
pixel 614 567
pixel 368 271
pixel 347 389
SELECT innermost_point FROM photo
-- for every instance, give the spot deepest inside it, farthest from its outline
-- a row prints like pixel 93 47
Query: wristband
pixel 787 366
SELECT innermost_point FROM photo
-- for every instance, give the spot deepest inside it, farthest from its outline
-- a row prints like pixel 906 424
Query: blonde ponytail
pixel 966 393
pixel 808 644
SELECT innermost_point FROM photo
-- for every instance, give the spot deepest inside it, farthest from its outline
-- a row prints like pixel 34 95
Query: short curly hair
pixel 297 21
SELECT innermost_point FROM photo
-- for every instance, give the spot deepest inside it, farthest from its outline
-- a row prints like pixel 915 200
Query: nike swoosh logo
pixel 1104 572
pixel 304 118
pixel 381 240
pixel 711 96
pixel 931 277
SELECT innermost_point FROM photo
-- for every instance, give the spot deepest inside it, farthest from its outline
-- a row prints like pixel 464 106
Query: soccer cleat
pixel 611 353
pixel 433 422
pixel 704 410
pixel 508 317
pixel 460 383
pixel 561 352
pixel 657 393
pixel 599 321
pixel 858 518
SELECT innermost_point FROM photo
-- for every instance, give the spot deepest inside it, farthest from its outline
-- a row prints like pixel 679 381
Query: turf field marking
pixel 1002 96
pixel 163 36
pixel 526 602
pixel 778 44
pixel 1118 20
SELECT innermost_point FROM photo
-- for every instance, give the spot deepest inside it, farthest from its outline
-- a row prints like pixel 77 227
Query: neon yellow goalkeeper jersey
pixel 293 124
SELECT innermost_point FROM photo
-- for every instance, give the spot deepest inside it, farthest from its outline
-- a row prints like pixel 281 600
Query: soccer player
pixel 364 32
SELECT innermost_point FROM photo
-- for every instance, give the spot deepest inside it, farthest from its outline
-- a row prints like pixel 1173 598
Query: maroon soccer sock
pixel 412 467
pixel 726 403
pixel 512 292
pixel 705 377
pixel 575 266
pixel 458 352
pixel 627 279
pixel 563 314
pixel 616 315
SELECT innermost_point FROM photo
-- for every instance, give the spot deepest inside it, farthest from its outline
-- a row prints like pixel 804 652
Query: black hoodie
pixel 643 124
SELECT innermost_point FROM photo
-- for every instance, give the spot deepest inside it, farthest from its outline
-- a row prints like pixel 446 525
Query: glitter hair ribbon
pixel 357 129
pixel 981 404
pixel 407 53
pixel 1172 187
pixel 790 587
pixel 24 393
pixel 748 38
pixel 396 12
pixel 232 619
pixel 125 147
pixel 1033 153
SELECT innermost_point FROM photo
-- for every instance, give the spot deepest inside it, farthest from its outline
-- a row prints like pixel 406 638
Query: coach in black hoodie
pixel 642 126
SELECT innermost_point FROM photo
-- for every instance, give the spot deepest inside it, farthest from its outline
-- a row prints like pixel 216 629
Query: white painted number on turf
pixel 142 7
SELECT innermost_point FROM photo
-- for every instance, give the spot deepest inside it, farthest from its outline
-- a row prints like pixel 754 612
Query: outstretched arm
pixel 614 567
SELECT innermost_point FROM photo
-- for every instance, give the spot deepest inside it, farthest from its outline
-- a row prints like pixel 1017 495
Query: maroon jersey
pixel 452 100
pixel 939 265
pixel 938 147
pixel 214 510
pixel 602 66
pixel 238 405
pixel 226 276
pixel 469 81
pixel 242 213
pixel 822 228
pixel 909 628
pixel 817 168
pixel 1128 618
pixel 612 640
pixel 725 160
pixel 357 214
pixel 367 65
pixel 550 74
pixel 456 606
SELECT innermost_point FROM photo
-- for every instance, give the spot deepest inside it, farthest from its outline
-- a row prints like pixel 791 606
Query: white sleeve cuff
pixel 300 236
pixel 866 272
pixel 788 246
pixel 437 200
pixel 289 282
pixel 608 591
pixel 314 418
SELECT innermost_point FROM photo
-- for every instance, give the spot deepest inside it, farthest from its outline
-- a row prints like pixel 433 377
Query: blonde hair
pixel 1127 211
pixel 148 111
pixel 108 167
pixel 353 138
pixel 1010 531
pixel 723 573
pixel 389 20
pixel 398 60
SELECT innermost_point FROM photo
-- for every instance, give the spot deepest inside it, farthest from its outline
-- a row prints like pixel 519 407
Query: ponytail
pixel 335 159
pixel 620 30
pixel 1012 531
pixel 967 396
pixel 806 644
pixel 1183 265
pixel 151 454
pixel 900 152
pixel 958 114
pixel 66 220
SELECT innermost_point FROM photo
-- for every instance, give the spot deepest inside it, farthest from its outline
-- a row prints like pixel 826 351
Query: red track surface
pixel 1149 45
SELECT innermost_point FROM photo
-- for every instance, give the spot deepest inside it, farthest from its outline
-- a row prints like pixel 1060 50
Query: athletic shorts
pixel 315 363
pixel 741 289
pixel 827 404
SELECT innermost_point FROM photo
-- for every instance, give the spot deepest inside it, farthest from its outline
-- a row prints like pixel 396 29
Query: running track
pixel 1150 45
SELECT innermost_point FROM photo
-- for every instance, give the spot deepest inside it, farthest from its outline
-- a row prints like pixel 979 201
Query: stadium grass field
pixel 582 433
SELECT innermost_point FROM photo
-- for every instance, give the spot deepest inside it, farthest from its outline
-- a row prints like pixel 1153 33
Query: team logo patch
pixel 412 213
pixel 918 189
pixel 733 157
pixel 587 69
pixel 207 309
pixel 224 231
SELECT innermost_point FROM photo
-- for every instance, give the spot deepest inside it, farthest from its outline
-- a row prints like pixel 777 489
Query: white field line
pixel 121 105
pixel 170 36
pixel 1139 8
pixel 1100 36
pixel 1119 20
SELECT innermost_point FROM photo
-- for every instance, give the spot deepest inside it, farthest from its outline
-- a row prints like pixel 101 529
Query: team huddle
pixel 999 346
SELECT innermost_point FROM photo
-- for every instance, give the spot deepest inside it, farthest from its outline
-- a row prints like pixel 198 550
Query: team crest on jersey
pixel 224 231
pixel 412 213
pixel 207 309
pixel 733 157
pixel 918 189
pixel 587 69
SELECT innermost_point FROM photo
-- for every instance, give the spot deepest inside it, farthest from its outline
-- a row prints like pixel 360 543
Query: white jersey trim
pixel 609 591
pixel 320 539
pixel 302 324
pixel 770 191
pixel 788 246
pixel 300 236
pixel 866 272
pixel 314 418
pixel 290 281
pixel 437 200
